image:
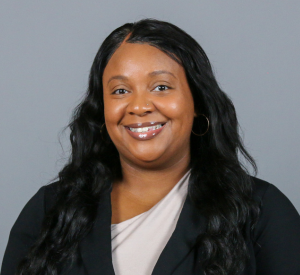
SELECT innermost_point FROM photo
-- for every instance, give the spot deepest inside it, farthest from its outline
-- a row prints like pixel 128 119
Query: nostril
pixel 145 113
pixel 141 114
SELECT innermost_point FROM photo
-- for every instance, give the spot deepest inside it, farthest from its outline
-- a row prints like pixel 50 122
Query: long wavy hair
pixel 220 185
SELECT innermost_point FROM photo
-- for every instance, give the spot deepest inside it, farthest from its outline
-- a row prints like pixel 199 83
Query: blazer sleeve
pixel 24 232
pixel 277 235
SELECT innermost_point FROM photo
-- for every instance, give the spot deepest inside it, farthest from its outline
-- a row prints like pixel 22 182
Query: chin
pixel 148 158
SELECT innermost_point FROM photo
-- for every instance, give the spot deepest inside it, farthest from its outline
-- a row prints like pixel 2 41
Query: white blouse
pixel 138 242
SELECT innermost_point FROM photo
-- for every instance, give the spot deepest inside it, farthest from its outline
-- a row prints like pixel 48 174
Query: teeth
pixel 145 129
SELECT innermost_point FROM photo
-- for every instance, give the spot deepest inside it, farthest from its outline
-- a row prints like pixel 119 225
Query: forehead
pixel 138 59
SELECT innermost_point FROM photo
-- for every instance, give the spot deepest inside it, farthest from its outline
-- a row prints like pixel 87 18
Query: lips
pixel 145 131
pixel 144 124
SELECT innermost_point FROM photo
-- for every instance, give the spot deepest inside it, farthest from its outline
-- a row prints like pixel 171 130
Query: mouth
pixel 146 132
pixel 146 129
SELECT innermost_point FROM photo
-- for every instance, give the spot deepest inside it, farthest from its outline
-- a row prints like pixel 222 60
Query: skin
pixel 137 75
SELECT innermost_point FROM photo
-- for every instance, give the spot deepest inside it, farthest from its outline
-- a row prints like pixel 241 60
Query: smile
pixel 145 133
pixel 145 129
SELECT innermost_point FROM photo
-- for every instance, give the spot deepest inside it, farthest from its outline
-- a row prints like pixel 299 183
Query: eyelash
pixel 163 86
pixel 167 88
pixel 115 92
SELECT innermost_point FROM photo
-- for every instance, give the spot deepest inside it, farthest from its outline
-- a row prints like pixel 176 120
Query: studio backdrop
pixel 47 48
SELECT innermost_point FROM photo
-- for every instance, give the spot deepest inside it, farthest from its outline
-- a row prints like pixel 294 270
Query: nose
pixel 140 105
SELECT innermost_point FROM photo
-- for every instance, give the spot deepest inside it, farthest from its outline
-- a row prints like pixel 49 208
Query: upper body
pixel 274 244
pixel 154 111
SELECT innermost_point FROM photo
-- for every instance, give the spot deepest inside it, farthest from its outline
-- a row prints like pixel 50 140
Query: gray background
pixel 47 48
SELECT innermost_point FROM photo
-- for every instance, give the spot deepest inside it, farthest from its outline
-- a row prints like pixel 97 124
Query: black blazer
pixel 274 247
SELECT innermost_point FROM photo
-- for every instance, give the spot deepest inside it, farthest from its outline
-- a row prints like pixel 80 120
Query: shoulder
pixel 34 211
pixel 261 188
pixel 275 207
pixel 31 214
pixel 276 235
pixel 27 227
pixel 270 198
pixel 29 221
pixel 50 194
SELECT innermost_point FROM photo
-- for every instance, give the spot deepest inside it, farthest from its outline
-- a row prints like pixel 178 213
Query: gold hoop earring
pixel 200 135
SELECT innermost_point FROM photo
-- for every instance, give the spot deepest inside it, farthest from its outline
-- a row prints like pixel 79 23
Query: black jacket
pixel 274 247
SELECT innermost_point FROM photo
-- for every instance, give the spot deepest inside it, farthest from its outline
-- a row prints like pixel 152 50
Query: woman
pixel 154 184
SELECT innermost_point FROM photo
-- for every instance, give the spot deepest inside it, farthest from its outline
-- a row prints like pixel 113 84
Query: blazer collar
pixel 190 224
pixel 96 246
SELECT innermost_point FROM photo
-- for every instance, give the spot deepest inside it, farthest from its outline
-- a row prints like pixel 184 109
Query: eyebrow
pixel 121 77
pixel 161 72
pixel 152 74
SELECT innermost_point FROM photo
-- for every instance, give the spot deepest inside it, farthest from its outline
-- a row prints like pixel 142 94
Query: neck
pixel 153 183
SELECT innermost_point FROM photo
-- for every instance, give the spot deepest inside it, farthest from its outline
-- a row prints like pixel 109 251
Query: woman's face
pixel 148 106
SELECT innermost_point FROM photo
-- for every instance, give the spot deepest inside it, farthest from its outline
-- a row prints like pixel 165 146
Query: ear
pixel 195 114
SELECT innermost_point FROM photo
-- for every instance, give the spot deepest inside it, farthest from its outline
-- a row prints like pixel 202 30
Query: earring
pixel 101 133
pixel 199 135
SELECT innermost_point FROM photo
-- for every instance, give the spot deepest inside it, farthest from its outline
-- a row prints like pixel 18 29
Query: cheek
pixel 112 111
pixel 179 108
pixel 113 114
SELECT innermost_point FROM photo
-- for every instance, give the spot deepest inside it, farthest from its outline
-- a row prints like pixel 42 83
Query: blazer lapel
pixel 190 224
pixel 96 246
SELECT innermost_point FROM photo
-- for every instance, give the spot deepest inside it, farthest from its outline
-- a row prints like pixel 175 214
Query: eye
pixel 120 92
pixel 161 88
